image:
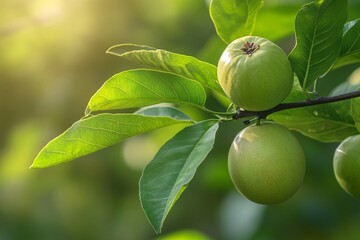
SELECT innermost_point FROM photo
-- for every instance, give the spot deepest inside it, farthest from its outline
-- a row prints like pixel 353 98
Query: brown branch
pixel 283 106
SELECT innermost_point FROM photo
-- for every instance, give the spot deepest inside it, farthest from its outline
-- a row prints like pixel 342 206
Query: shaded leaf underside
pixel 167 175
pixel 326 122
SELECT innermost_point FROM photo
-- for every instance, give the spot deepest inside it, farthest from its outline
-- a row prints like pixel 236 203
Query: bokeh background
pixel 52 59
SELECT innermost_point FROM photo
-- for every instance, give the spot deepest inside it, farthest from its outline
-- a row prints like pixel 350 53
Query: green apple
pixel 266 163
pixel 255 73
pixel 347 165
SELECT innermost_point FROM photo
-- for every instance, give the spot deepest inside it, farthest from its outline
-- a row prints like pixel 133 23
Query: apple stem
pixel 283 106
pixel 258 121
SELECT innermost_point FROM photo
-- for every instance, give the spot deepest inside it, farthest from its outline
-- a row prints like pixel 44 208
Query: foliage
pixel 318 39
pixel 323 44
pixel 173 167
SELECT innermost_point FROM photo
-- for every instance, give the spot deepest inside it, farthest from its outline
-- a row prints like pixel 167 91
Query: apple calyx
pixel 250 48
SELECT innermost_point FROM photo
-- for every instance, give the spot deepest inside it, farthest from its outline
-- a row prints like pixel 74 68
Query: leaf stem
pixel 220 115
pixel 283 106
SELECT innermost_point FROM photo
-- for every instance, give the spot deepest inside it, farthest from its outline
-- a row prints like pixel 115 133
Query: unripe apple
pixel 255 73
pixel 266 163
pixel 347 165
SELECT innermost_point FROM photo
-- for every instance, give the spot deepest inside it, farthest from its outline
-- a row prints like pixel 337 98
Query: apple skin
pixel 266 163
pixel 257 81
pixel 346 165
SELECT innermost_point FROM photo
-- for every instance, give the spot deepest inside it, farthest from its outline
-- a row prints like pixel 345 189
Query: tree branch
pixel 283 106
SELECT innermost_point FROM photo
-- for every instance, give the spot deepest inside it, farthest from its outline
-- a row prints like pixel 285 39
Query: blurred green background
pixel 52 59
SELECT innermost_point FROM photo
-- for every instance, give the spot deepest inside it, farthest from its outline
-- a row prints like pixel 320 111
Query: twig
pixel 283 106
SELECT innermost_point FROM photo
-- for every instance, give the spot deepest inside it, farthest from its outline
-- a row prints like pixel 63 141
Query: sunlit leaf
pixel 95 133
pixel 142 87
pixel 234 18
pixel 319 29
pixel 350 48
pixel 183 65
pixel 168 174
pixel 324 122
pixel 185 235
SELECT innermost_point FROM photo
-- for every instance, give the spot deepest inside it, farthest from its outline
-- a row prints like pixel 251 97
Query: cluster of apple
pixel 266 162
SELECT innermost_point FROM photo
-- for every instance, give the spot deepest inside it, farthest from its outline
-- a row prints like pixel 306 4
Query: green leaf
pixel 318 28
pixel 350 85
pixel 354 80
pixel 296 94
pixel 168 174
pixel 350 48
pixel 143 87
pixel 276 21
pixel 212 50
pixel 183 65
pixel 355 111
pixel 234 18
pixel 324 122
pixel 163 111
pixel 95 133
pixel 185 235
pixel 321 123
